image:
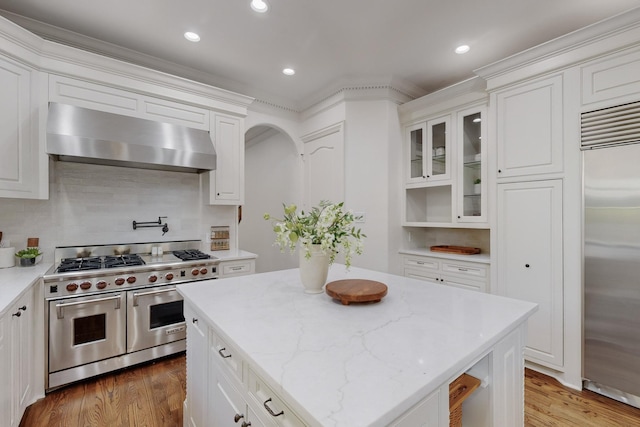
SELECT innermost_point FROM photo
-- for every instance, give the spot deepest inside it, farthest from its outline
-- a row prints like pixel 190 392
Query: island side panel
pixel 508 379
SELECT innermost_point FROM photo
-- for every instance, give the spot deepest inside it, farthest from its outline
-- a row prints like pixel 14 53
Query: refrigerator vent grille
pixel 611 126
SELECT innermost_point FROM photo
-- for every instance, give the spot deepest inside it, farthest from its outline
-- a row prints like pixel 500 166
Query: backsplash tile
pixel 94 204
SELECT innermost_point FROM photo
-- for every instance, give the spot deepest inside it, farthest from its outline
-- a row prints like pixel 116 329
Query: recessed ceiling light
pixel 192 37
pixel 462 49
pixel 259 6
pixel 289 71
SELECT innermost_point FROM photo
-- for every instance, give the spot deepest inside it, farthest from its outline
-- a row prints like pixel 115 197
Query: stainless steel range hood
pixel 88 136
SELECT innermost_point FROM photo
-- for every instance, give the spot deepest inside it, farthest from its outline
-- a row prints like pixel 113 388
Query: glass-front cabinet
pixel 471 142
pixel 429 155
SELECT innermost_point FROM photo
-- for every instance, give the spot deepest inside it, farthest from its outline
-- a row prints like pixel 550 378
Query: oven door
pixel 155 316
pixel 86 329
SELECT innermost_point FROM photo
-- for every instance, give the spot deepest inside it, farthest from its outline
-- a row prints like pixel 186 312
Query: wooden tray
pixel 356 290
pixel 460 250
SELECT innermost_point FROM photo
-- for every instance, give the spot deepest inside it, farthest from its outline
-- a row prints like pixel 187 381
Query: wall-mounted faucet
pixel 158 223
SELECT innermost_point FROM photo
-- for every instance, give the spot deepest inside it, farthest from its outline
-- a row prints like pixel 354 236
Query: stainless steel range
pixel 112 306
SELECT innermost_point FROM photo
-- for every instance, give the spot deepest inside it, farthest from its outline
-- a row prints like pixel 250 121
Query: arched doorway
pixel 273 171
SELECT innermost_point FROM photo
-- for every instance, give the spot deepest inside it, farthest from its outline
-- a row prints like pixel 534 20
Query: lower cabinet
pixel 452 272
pixel 196 403
pixel 530 261
pixel 16 359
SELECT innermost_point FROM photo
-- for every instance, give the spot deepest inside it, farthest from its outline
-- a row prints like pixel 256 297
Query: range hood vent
pixel 88 136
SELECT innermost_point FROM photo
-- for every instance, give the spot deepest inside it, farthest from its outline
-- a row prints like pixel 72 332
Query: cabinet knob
pixel 17 314
pixel 499 170
pixel 238 417
pixel 526 265
pixel 246 424
pixel 23 308
pixel 459 217
pixel 194 320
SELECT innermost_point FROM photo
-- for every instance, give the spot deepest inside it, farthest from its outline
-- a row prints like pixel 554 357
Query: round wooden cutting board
pixel 356 290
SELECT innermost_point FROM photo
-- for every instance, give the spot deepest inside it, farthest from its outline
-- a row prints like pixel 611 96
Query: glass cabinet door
pixel 416 152
pixel 472 177
pixel 439 168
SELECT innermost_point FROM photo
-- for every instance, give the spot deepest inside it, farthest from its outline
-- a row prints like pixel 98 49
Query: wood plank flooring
pixel 151 396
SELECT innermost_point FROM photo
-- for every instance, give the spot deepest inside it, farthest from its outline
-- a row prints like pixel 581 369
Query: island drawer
pixel 237 268
pixel 227 357
pixel 269 406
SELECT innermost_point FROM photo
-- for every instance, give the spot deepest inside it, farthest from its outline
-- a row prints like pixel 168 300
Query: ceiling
pixel 332 44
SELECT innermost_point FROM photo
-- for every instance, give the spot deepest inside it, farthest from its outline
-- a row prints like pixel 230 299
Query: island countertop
pixel 361 364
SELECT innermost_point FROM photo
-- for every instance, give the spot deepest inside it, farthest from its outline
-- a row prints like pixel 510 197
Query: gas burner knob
pixel 153 278
pixel 169 276
pixel 203 271
pixel 101 284
pixel 131 279
pixel 119 281
pixel 85 285
pixel 195 272
pixel 72 287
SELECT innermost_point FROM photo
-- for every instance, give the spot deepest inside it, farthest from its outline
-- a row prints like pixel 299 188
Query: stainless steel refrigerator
pixel 611 193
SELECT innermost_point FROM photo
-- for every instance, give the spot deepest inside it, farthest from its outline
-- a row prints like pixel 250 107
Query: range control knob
pixel 153 278
pixel 195 272
pixel 169 276
pixel 101 284
pixel 119 281
pixel 85 285
pixel 203 271
pixel 131 279
pixel 72 287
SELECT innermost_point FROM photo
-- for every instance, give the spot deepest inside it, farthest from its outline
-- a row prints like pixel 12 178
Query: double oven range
pixel 112 306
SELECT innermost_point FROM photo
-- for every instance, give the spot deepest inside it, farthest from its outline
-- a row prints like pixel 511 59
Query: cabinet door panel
pixel 196 369
pixel 530 261
pixel 529 128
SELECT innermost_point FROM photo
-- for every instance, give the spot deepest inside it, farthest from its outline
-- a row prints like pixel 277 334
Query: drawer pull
pixel 420 262
pixel 220 352
pixel 462 269
pixel 246 424
pixel 269 410
pixel 236 268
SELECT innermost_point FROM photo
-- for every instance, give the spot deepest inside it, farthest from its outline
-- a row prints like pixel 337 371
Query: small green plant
pixel 477 181
pixel 29 253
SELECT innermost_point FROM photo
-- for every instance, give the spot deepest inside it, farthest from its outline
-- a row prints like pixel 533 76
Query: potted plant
pixel 320 235
pixel 476 186
pixel 29 256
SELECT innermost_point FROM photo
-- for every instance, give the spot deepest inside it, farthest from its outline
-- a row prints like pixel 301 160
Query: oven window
pixel 89 329
pixel 166 314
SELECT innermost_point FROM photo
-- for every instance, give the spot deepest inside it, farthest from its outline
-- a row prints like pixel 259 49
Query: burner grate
pixel 79 264
pixel 191 255
pixel 113 261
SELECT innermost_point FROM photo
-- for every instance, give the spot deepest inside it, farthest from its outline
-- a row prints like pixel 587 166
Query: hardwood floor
pixel 147 396
pixel 152 395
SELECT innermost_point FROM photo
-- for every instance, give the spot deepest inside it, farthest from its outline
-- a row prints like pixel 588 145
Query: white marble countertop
pixel 356 365
pixel 15 280
pixel 483 258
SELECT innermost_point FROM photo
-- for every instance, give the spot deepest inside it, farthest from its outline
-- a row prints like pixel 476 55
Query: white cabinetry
pixel 530 257
pixel 196 403
pixel 529 128
pixel 453 272
pixel 239 267
pixel 225 185
pixel 23 164
pixel 16 359
pixel 614 79
pixel 117 101
pixel 444 157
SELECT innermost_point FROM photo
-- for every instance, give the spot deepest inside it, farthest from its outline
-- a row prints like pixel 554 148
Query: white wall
pixel 92 204
pixel 273 170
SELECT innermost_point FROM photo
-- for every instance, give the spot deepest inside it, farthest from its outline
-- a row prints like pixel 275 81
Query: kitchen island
pixel 262 352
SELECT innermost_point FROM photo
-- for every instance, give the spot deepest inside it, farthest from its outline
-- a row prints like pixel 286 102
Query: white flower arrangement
pixel 326 225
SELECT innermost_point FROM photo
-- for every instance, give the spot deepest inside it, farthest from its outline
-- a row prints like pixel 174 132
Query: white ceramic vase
pixel 314 270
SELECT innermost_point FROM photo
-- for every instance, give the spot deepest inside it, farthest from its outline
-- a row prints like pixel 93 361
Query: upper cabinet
pixel 445 158
pixel 225 185
pixel 23 164
pixel 428 154
pixel 529 128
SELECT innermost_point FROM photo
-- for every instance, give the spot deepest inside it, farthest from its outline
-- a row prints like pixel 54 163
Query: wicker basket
pixel 459 390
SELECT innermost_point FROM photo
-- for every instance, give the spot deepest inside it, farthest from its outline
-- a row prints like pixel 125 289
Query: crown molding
pixel 621 31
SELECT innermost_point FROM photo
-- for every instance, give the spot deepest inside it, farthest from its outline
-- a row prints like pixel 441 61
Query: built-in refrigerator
pixel 611 194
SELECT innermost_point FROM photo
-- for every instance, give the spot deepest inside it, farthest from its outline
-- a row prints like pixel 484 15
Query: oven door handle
pixel 60 307
pixel 144 294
